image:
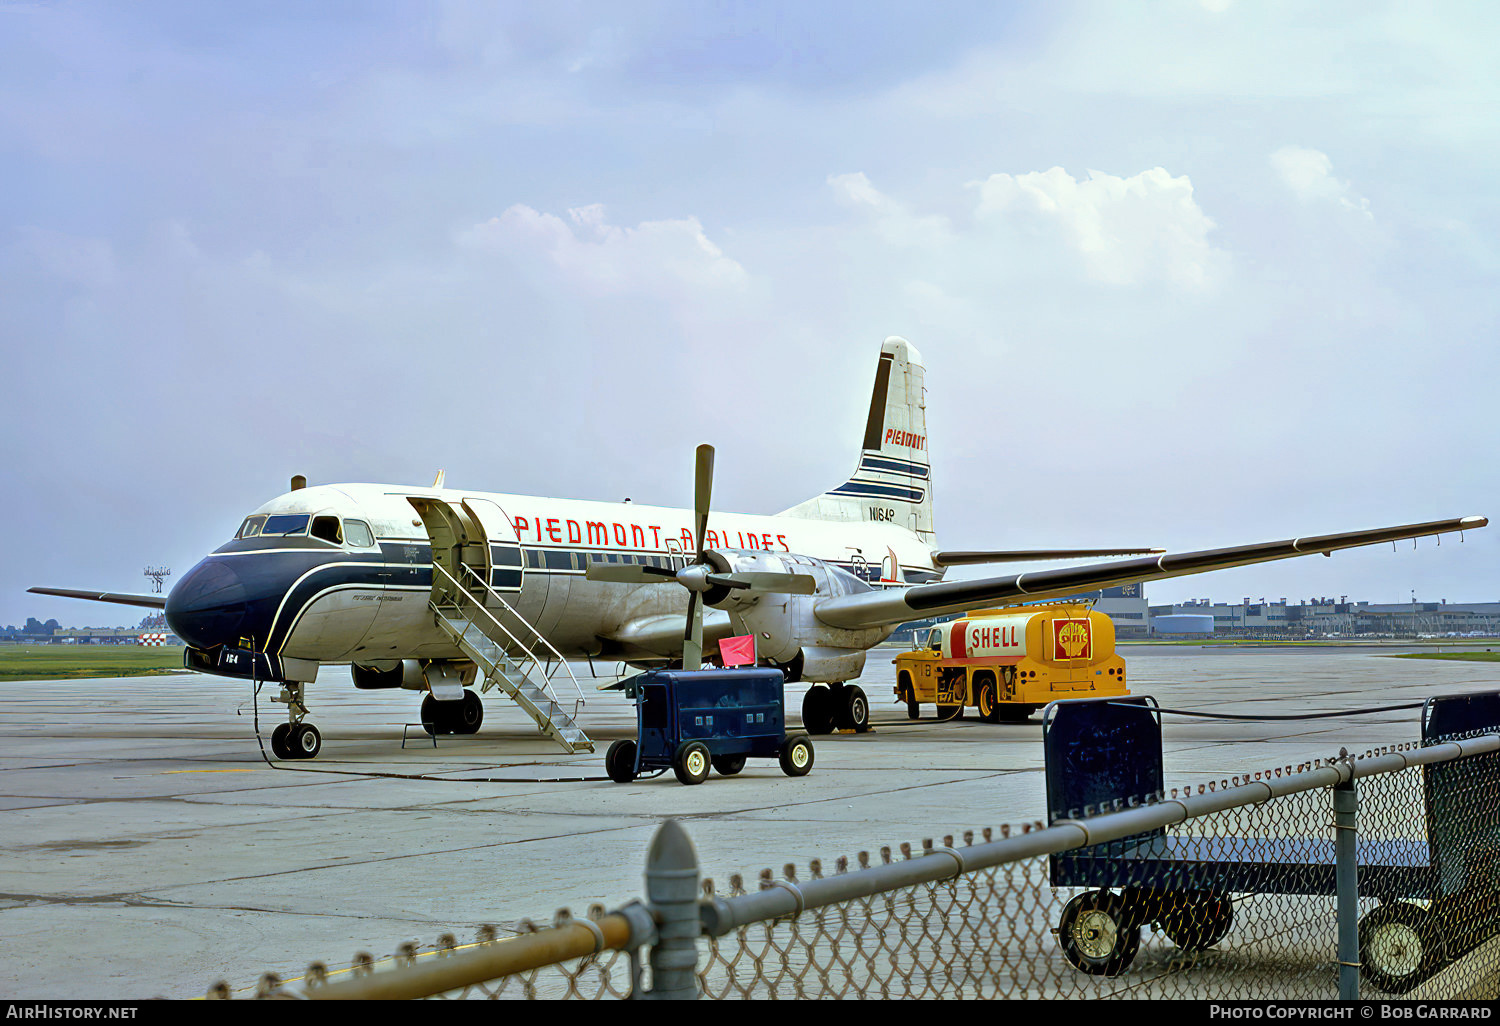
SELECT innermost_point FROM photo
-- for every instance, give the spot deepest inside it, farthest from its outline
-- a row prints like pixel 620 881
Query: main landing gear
pixel 838 706
pixel 461 717
pixel 295 739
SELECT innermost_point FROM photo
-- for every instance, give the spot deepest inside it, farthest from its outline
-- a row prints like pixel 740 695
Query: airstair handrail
pixel 546 681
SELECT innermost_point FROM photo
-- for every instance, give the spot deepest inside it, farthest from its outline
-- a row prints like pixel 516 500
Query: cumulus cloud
pixel 1126 230
pixel 1309 175
pixel 606 258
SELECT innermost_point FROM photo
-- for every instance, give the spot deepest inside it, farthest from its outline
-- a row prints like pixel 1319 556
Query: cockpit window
pixel 251 527
pixel 286 523
pixel 328 529
pixel 357 533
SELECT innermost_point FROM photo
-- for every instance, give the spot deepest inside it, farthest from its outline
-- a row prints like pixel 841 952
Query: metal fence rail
pixel 1255 894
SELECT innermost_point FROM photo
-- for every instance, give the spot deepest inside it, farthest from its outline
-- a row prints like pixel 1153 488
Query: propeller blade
pixel 692 638
pixel 703 486
pixel 788 584
pixel 731 581
pixel 628 573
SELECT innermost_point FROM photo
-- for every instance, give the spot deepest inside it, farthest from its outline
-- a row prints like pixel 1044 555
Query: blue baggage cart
pixel 692 720
pixel 1439 894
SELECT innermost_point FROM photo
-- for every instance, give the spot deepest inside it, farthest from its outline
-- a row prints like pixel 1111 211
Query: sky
pixel 1188 274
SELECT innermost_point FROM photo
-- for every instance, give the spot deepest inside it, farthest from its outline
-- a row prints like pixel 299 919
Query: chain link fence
pixel 1372 876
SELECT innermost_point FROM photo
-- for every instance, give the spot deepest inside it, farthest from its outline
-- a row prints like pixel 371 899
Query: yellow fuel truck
pixel 1007 663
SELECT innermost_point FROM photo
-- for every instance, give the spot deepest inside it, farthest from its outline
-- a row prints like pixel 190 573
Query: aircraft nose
pixel 208 606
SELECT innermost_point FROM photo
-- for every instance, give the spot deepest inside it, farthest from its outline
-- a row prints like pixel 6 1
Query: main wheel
pixel 470 715
pixel 855 714
pixel 989 706
pixel 303 741
pixel 817 716
pixel 796 755
pixel 691 763
pixel 619 762
pixel 278 741
pixel 1095 935
pixel 1199 923
pixel 728 765
pixel 434 716
pixel 1399 946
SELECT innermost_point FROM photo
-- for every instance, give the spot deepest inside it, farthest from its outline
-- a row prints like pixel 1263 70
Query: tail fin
pixel 893 481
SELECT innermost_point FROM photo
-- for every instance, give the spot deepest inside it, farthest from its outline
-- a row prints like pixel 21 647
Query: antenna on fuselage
pixel 298 482
pixel 437 482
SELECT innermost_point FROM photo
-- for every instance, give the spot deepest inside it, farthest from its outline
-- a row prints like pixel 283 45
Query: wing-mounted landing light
pixel 709 577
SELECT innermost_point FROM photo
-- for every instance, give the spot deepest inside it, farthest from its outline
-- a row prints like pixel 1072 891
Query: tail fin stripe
pixel 876 423
pixel 867 490
pixel 894 466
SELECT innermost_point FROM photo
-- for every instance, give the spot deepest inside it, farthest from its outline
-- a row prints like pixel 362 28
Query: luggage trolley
pixel 1103 751
pixel 691 720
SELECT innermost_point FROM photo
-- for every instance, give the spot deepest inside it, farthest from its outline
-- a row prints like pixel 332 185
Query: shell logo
pixel 1071 639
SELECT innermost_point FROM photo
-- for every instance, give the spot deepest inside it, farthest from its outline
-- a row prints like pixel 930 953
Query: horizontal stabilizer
pixel 876 609
pixel 967 558
pixel 120 598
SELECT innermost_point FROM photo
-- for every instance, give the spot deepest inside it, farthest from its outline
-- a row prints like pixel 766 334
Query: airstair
pixel 520 662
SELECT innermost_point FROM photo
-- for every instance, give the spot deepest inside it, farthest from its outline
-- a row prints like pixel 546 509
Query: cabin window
pixel 328 529
pixel 251 527
pixel 357 533
pixel 286 524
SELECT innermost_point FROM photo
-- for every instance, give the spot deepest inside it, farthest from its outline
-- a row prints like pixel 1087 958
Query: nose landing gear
pixel 295 739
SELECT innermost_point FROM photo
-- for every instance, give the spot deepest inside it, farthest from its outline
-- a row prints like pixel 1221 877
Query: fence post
pixel 672 882
pixel 1346 878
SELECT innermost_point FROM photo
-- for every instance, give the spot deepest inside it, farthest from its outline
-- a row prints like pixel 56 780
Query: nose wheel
pixel 295 739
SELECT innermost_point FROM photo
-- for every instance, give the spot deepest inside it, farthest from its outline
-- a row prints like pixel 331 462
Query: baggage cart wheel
pixel 1199 922
pixel 988 701
pixel 818 709
pixel 1399 946
pixel 728 765
pixel 797 755
pixel 1095 935
pixel 692 762
pixel 619 762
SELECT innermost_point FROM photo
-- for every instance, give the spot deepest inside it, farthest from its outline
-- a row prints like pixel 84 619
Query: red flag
pixel 738 651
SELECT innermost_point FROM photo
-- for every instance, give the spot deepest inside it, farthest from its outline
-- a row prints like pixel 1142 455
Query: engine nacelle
pixel 786 631
pixel 406 673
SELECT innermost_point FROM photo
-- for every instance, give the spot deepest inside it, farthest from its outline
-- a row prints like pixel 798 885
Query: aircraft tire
pixel 856 710
pixel 278 741
pixel 304 742
pixel 817 716
pixel 437 718
pixel 470 715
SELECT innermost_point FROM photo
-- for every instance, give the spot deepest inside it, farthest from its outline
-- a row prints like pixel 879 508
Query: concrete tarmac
pixel 151 849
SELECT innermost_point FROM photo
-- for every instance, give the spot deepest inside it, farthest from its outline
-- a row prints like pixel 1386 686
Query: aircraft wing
pixel 877 608
pixel 121 598
pixel 967 558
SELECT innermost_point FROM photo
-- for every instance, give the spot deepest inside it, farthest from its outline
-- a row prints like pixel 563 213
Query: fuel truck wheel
pixel 908 695
pixel 1095 935
pixel 692 762
pixel 989 705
